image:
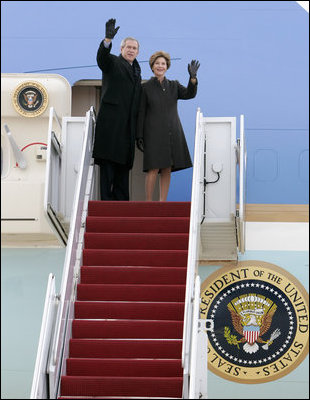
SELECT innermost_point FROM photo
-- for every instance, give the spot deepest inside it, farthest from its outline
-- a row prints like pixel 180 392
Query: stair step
pixel 138 208
pixel 126 292
pixel 137 224
pixel 166 258
pixel 121 386
pixel 168 241
pixel 127 329
pixel 125 348
pixel 126 310
pixel 129 275
pixel 123 367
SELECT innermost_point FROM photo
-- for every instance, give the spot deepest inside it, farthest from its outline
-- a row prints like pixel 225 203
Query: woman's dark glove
pixel 110 30
pixel 193 68
pixel 140 144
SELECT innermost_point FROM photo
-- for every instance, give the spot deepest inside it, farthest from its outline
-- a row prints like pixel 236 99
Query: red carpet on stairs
pixel 127 332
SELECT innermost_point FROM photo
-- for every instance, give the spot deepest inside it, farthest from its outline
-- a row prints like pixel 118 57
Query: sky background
pixel 254 61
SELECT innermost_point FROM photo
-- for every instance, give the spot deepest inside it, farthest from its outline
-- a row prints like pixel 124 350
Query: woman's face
pixel 160 67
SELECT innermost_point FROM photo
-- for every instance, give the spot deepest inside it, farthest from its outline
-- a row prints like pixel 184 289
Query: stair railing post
pixel 193 253
pixel 39 386
pixel 193 389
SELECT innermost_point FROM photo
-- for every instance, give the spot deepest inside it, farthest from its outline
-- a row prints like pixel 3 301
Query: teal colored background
pixel 24 275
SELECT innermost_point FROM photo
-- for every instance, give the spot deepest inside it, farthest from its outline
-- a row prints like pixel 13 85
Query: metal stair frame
pixel 60 330
pixel 194 360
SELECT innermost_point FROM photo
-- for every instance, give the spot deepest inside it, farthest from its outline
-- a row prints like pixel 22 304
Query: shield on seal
pixel 251 333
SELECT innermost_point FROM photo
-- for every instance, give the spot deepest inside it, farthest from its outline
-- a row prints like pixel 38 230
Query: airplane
pixel 239 325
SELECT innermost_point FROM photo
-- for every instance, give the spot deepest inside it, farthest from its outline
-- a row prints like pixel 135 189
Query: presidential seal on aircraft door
pixel 261 327
pixel 30 99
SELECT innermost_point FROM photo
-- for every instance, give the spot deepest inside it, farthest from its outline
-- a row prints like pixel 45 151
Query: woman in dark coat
pixel 159 132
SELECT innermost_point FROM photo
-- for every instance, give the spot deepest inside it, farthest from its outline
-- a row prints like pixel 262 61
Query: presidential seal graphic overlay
pixel 30 99
pixel 260 315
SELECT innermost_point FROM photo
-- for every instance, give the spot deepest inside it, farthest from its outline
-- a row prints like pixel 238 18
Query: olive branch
pixel 231 339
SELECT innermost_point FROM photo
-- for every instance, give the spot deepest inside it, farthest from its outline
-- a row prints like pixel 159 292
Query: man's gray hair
pixel 123 43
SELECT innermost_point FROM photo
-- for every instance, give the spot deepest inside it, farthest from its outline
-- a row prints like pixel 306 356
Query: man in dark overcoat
pixel 114 145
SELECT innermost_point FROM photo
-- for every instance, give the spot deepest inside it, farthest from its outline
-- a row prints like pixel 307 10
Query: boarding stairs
pixel 126 321
pixel 128 326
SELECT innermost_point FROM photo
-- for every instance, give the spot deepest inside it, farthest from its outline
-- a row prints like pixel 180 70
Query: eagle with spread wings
pixel 252 326
pixel 30 98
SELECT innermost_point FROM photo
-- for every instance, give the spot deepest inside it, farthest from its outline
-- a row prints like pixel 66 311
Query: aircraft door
pixel 25 103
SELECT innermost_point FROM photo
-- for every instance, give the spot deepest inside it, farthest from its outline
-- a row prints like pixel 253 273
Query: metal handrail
pixel 53 115
pixel 242 186
pixel 194 345
pixel 193 247
pixel 195 339
pixel 38 389
pixel 73 253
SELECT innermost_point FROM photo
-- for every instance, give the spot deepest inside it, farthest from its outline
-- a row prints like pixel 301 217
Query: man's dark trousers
pixel 114 181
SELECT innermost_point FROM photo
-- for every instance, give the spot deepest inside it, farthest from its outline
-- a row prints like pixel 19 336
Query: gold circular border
pixel 37 112
pixel 289 277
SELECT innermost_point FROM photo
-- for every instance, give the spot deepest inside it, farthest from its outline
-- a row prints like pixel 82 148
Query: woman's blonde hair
pixel 158 54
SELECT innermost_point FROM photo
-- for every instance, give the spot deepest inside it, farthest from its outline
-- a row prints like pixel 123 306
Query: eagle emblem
pixel 30 98
pixel 251 315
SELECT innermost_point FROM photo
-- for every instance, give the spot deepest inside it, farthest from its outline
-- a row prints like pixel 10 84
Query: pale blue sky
pixel 254 58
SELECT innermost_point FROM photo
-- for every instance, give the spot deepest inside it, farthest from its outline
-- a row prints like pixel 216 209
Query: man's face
pixel 130 50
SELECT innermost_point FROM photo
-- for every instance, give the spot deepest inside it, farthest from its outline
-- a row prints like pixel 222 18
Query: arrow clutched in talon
pixel 273 336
